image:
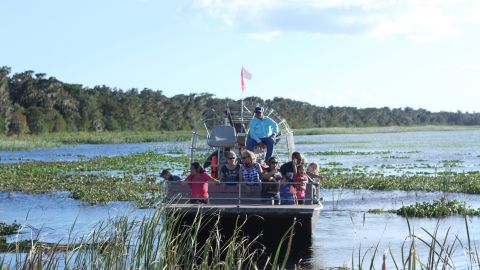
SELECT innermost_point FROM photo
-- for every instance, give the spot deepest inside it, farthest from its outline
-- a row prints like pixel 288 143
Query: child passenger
pixel 301 179
pixel 313 171
pixel 287 192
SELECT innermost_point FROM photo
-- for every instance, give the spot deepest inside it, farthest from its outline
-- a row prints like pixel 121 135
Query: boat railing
pixel 239 193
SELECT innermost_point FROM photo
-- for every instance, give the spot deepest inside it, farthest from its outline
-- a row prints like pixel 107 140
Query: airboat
pixel 227 131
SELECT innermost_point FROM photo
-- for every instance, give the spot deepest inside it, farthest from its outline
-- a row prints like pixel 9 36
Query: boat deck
pixel 252 209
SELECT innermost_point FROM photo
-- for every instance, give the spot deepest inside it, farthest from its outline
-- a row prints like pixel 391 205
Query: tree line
pixel 31 103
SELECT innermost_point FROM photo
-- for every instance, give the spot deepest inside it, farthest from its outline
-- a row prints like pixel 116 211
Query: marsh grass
pixel 462 182
pixel 135 177
pixel 159 241
pixel 49 140
pixel 89 180
pixel 424 250
pixel 346 153
pixel 390 129
pixel 437 208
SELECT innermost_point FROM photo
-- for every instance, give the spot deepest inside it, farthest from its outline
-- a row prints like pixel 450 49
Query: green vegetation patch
pixel 396 157
pixel 91 181
pixel 462 182
pixel 347 153
pixel 50 140
pixel 438 208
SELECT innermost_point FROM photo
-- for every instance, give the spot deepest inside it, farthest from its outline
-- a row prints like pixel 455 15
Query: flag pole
pixel 242 129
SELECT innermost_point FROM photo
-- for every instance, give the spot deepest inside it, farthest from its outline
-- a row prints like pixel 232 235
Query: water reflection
pixel 53 215
pixel 345 228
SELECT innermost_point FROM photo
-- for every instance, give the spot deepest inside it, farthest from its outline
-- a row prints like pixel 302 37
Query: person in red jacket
pixel 301 179
pixel 198 182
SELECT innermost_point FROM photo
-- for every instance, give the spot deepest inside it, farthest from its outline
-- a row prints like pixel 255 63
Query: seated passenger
pixel 301 179
pixel 251 171
pixel 262 129
pixel 212 161
pixel 167 176
pixel 271 179
pixel 290 168
pixel 313 173
pixel 198 182
pixel 287 193
pixel 230 172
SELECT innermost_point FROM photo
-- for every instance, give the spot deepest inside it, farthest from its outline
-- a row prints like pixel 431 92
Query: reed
pixel 424 250
pixel 160 241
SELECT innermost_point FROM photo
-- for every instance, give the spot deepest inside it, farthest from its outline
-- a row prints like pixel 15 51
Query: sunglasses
pixel 274 162
pixel 231 158
pixel 244 157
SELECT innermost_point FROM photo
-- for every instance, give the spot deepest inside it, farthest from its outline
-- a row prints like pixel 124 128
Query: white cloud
pixel 471 67
pixel 417 20
pixel 264 36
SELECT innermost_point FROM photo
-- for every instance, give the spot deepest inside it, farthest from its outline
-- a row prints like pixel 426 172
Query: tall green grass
pixel 160 241
pixel 48 140
pixel 423 250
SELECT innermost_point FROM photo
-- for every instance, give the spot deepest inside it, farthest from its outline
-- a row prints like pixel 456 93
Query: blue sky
pixel 361 53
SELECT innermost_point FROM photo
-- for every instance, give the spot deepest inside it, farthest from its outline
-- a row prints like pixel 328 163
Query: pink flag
pixel 245 74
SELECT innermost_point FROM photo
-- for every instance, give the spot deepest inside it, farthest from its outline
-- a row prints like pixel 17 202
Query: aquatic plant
pixel 461 182
pixel 437 208
pixel 346 153
pixel 159 241
pixel 424 250
pixel 90 180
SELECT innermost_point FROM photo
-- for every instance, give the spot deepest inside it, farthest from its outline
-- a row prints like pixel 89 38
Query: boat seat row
pixel 222 194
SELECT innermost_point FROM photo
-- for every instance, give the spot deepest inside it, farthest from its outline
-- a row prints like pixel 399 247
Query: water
pixel 51 217
pixel 398 153
pixel 88 151
pixel 344 225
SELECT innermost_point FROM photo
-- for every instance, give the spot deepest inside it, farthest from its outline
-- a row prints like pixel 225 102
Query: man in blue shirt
pixel 262 129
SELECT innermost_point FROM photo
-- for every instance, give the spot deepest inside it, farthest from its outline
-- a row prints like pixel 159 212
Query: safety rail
pixel 236 193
